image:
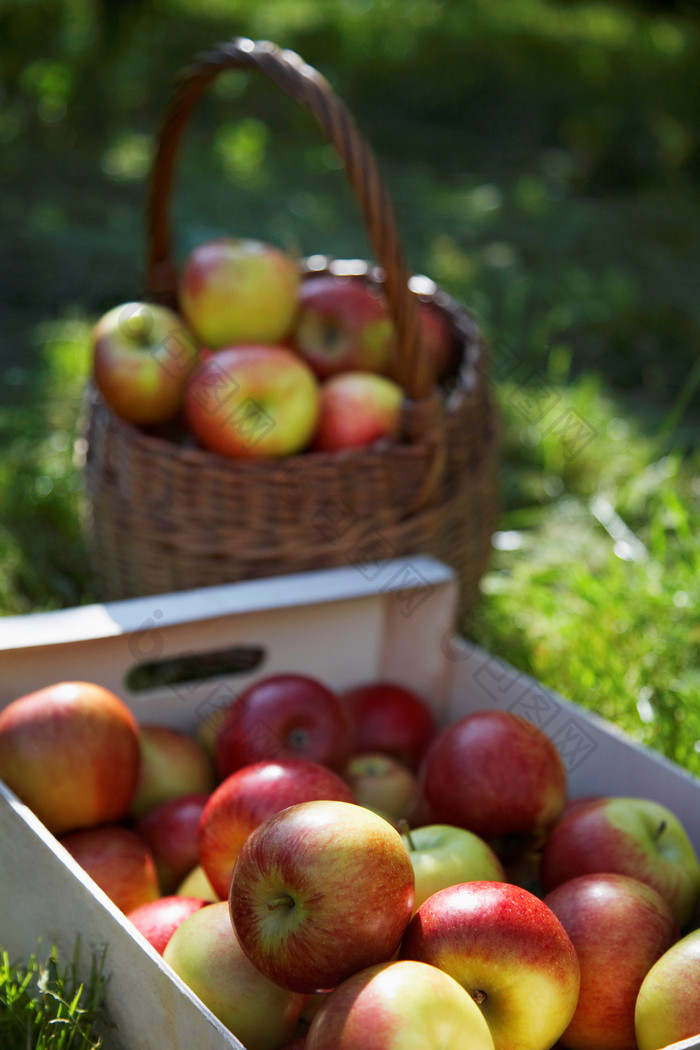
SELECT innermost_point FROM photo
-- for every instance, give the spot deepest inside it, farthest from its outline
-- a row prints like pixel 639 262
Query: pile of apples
pixel 335 870
pixel 261 362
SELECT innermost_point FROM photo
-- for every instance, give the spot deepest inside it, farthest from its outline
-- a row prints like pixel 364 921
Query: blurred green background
pixel 543 157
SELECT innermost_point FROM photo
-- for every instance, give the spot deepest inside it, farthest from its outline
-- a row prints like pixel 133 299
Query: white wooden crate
pixel 392 620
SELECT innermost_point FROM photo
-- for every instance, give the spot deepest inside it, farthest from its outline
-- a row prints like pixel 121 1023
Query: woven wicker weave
pixel 164 516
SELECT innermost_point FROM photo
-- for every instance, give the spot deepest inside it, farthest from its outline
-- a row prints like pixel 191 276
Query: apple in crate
pixel 143 354
pixel 319 891
pixel 631 836
pixel 399 1004
pixel 247 797
pixel 356 409
pixel 382 783
pixel 252 402
pixel 172 763
pixel 157 920
pixel 196 884
pixel 70 751
pixel 497 775
pixel 343 324
pixel 509 951
pixel 118 861
pixel 619 927
pixel 390 718
pixel 667 1009
pixel 238 290
pixel 170 831
pixel 204 952
pixel 443 855
pixel 283 716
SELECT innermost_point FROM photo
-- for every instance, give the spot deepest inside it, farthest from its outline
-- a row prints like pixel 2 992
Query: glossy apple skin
pixel 497 775
pixel 619 927
pixel 172 763
pixel 118 861
pixel 443 855
pixel 253 401
pixel 667 1009
pixel 170 830
pixel 507 948
pixel 238 290
pixel 143 354
pixel 283 716
pixel 343 324
pixel 382 783
pixel 247 797
pixel 206 955
pixel 630 836
pixel 70 751
pixel 399 1005
pixel 390 718
pixel 320 891
pixel 356 409
pixel 157 920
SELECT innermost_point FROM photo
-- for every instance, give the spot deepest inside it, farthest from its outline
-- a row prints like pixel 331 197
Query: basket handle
pixel 309 88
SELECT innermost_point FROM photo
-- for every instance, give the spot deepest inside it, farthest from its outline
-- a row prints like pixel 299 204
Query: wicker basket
pixel 163 515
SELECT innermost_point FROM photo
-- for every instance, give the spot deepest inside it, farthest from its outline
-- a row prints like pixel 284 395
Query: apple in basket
pixel 238 290
pixel 70 751
pixel 399 1004
pixel 143 354
pixel 252 402
pixel 356 409
pixel 319 891
pixel 343 324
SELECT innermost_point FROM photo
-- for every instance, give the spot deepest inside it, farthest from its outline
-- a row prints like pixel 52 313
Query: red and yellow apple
pixel 356 409
pixel 143 354
pixel 118 861
pixel 509 951
pixel 397 1006
pixel 172 763
pixel 238 290
pixel 70 751
pixel 253 401
pixel 382 783
pixel 667 1009
pixel 319 891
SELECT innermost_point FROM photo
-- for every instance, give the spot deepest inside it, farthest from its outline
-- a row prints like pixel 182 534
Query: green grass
pixel 44 1006
pixel 543 158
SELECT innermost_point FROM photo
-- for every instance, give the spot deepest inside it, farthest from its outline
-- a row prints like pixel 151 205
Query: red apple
pixel 253 401
pixel 172 764
pixel 355 410
pixel 396 1005
pixel 667 1009
pixel 239 290
pixel 118 861
pixel 157 920
pixel 509 951
pixel 343 324
pixel 143 355
pixel 319 891
pixel 250 795
pixel 497 775
pixel 630 836
pixel 204 952
pixel 382 783
pixel 390 718
pixel 70 751
pixel 283 716
pixel 619 927
pixel 170 830
pixel 437 340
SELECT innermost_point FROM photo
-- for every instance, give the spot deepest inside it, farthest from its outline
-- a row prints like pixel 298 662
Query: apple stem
pixel 660 830
pixel 405 830
pixel 478 996
pixel 282 900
